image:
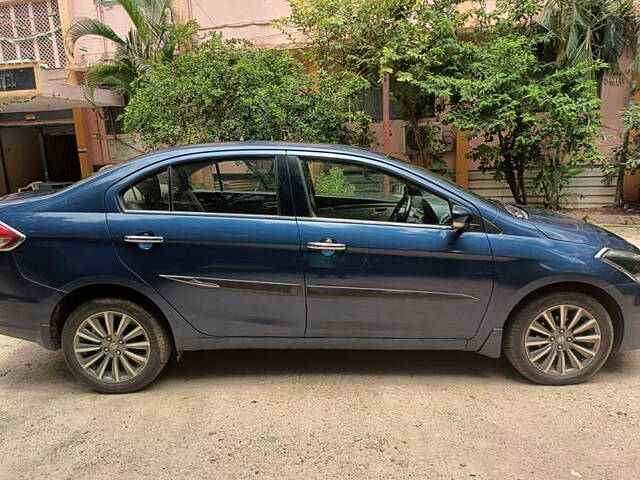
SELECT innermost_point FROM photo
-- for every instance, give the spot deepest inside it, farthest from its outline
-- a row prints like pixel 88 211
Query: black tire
pixel 157 354
pixel 518 329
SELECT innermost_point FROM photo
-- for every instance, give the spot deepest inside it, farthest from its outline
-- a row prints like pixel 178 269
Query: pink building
pixel 49 132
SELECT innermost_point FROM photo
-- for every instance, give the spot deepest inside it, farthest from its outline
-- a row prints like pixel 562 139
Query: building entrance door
pixel 37 153
pixel 61 153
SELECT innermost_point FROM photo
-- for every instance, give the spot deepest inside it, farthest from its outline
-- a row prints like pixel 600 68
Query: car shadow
pixel 239 363
pixel 32 368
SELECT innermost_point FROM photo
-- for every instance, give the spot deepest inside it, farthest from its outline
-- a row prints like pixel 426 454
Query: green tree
pixel 154 37
pixel 371 38
pixel 530 115
pixel 591 31
pixel 626 156
pixel 488 70
pixel 225 90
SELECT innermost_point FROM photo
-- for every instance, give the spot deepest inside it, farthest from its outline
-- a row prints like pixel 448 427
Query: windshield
pixel 422 170
pixel 509 208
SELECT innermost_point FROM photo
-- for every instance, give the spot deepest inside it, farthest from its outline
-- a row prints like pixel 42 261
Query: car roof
pixel 88 194
pixel 254 145
pixel 148 159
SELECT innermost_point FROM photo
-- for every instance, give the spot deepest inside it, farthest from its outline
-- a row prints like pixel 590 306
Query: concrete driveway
pixel 302 414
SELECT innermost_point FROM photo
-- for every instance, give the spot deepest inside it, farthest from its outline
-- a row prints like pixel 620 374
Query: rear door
pixel 215 236
pixel 380 257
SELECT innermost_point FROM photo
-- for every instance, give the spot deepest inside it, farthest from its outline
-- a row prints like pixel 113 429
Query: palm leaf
pixel 136 15
pixel 154 37
pixel 590 31
pixel 85 26
pixel 113 75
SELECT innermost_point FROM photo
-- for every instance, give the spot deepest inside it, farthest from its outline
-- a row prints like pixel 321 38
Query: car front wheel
pixel 559 339
pixel 114 345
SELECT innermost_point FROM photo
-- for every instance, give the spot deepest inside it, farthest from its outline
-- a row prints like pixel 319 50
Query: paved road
pixel 295 414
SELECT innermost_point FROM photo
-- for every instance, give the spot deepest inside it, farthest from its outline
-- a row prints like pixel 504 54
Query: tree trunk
pixel 521 186
pixel 421 156
pixel 622 160
pixel 513 180
pixel 620 185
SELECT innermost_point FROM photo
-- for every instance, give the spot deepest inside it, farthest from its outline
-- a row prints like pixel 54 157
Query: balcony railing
pixel 31 31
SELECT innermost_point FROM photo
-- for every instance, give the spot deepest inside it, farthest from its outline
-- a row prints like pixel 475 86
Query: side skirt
pixel 230 343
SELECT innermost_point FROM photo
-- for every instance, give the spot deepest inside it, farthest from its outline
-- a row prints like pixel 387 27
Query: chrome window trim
pixel 376 223
pixel 22 237
pixel 212 214
pixel 290 218
pixel 168 163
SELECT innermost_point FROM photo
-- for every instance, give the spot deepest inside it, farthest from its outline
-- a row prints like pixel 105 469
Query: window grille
pixel 31 31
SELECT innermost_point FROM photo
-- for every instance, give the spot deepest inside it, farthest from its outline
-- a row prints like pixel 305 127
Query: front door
pixel 213 237
pixel 380 258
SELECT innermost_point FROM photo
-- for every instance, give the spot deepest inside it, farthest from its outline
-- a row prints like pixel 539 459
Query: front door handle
pixel 378 212
pixel 143 239
pixel 327 244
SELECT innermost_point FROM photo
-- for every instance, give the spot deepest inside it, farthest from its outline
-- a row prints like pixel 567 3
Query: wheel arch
pixel 607 301
pixel 76 297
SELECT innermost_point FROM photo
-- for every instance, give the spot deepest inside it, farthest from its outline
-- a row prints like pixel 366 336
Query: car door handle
pixel 326 245
pixel 143 239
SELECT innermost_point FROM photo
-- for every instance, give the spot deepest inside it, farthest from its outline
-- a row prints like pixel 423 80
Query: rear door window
pixel 238 186
pixel 234 186
pixel 150 193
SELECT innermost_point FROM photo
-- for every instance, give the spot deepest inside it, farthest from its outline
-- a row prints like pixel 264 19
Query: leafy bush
pixel 530 115
pixel 334 183
pixel 224 90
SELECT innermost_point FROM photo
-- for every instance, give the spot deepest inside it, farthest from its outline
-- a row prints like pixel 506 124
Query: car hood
pixel 568 229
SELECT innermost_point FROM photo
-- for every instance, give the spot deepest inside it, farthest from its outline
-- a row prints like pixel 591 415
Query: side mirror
pixel 460 218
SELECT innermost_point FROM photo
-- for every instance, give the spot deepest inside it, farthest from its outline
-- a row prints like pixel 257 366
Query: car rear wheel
pixel 114 345
pixel 559 339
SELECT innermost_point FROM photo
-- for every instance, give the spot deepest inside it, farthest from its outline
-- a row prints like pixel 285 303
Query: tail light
pixel 9 238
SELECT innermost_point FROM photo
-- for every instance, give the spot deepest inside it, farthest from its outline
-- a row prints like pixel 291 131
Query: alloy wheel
pixel 562 340
pixel 112 347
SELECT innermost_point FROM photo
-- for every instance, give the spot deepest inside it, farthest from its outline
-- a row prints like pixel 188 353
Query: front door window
pixel 358 192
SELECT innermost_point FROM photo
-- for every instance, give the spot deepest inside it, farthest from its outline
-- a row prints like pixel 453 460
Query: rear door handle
pixel 143 239
pixel 327 244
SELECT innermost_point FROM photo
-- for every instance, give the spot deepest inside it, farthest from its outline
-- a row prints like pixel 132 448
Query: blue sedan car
pixel 277 245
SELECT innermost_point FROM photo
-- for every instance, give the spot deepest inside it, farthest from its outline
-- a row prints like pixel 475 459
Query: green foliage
pixel 225 90
pixel 626 156
pixel 589 32
pixel 154 37
pixel 371 38
pixel 530 115
pixel 334 183
pixel 428 138
pixel 568 133
pixel 349 34
pixel 490 69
